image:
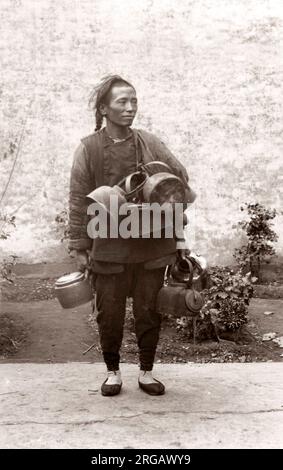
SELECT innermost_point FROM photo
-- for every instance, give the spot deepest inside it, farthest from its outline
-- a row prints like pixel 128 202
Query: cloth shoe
pixel 150 385
pixel 112 385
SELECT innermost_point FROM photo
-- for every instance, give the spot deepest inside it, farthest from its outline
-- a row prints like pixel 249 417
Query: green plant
pixel 227 299
pixel 62 220
pixel 260 238
pixel 226 305
pixel 6 269
pixel 6 265
pixel 6 222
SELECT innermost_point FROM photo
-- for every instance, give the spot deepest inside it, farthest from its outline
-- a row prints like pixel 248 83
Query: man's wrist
pixel 182 245
pixel 74 253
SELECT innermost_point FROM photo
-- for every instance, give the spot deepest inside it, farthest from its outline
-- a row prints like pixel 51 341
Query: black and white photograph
pixel 141 247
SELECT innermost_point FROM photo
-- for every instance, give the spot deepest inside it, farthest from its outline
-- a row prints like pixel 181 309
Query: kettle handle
pixel 126 182
pixel 146 166
pixel 189 283
pixel 167 274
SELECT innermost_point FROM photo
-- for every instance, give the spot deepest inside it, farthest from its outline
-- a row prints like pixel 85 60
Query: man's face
pixel 122 105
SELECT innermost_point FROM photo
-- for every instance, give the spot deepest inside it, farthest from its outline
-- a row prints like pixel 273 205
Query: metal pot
pixel 159 167
pixel 73 289
pixel 178 300
pixel 163 187
pixel 103 194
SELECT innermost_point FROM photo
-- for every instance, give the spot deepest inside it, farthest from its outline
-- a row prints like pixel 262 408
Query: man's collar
pixel 108 140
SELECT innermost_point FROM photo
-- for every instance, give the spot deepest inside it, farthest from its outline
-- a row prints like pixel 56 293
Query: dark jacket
pixel 88 173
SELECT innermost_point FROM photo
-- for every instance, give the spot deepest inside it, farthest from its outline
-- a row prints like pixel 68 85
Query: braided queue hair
pixel 99 95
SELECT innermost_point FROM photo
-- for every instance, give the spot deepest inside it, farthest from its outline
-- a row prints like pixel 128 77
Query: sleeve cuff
pixel 80 244
pixel 182 244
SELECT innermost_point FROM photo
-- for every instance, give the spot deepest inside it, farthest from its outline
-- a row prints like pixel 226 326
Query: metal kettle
pixel 177 297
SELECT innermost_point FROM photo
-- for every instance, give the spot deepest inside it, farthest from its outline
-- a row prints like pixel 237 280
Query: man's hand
pixel 183 253
pixel 82 260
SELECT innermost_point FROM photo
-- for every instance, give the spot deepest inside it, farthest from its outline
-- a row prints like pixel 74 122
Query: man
pixel 123 267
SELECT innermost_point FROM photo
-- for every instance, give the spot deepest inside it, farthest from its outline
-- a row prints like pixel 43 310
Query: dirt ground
pixel 34 328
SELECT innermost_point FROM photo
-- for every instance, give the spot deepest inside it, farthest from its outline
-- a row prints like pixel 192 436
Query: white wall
pixel 209 80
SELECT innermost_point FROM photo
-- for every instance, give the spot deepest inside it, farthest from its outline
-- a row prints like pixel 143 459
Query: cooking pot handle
pixel 127 182
pixel 91 277
pixel 156 162
pixel 122 181
pixel 128 188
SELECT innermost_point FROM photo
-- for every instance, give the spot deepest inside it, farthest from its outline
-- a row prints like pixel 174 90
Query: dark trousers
pixel 111 292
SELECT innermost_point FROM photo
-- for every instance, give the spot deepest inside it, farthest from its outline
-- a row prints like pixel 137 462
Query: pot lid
pixel 69 278
pixel 194 300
